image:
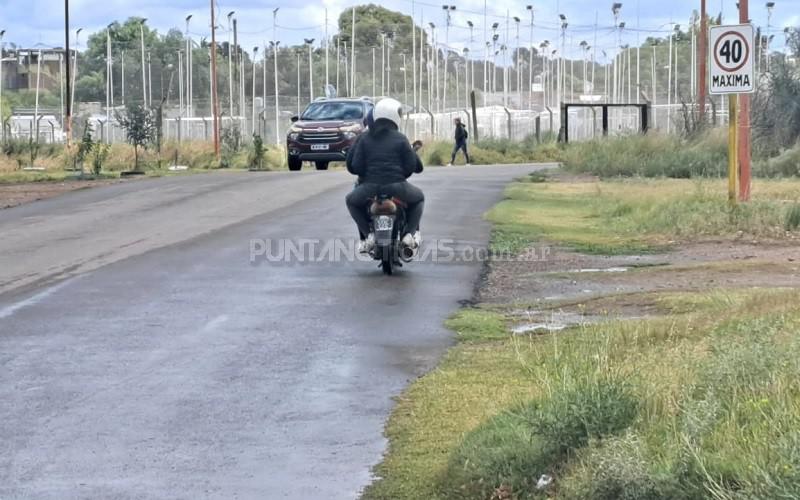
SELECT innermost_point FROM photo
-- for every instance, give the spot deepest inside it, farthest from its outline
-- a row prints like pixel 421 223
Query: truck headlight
pixel 293 136
pixel 349 135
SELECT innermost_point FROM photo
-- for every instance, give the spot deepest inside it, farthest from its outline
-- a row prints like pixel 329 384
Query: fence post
pixel 433 123
pixel 563 134
pixel 474 116
pixel 551 118
pixel 508 119
pixel 605 121
pixel 645 109
pixel 538 130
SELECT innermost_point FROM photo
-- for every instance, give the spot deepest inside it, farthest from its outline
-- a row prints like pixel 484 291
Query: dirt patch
pixel 572 282
pixel 12 195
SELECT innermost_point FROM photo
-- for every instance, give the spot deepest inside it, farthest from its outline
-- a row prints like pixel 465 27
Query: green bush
pixel 618 469
pixel 651 155
pixel 516 447
pixel 786 164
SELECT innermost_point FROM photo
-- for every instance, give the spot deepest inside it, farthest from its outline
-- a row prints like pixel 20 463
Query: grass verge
pixel 638 215
pixel 699 403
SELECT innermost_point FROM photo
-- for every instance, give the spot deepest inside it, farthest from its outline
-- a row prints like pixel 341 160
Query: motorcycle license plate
pixel 383 223
pixel 320 147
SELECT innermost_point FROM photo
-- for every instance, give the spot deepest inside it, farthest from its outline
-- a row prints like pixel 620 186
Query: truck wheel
pixel 322 165
pixel 295 164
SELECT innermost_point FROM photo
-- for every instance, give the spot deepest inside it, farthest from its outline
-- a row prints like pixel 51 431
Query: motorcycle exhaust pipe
pixel 407 253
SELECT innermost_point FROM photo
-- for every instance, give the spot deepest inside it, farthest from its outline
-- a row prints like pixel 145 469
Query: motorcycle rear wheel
pixel 387 260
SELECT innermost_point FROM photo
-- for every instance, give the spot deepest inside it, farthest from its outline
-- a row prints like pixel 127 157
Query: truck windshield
pixel 322 111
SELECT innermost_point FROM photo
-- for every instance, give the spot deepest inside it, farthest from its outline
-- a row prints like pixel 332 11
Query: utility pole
pixel 530 62
pixel 149 82
pixel 253 125
pixel 109 87
pixel 2 46
pixel 144 67
pixel 230 64
pixel 275 43
pixel 188 68
pixel 405 83
pixel 122 68
pixel 214 97
pixel 744 124
pixel 383 63
pixel 413 60
pixel 298 83
pixel 327 40
pixel 518 64
pixel 67 119
pixel 374 75
pixel 448 9
pixel 770 6
pixel 71 108
pixel 180 90
pixel 310 43
pixel 353 55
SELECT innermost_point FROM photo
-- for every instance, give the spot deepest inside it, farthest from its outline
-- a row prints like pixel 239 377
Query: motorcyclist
pixel 383 159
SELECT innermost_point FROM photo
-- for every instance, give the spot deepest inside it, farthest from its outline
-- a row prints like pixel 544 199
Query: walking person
pixel 461 142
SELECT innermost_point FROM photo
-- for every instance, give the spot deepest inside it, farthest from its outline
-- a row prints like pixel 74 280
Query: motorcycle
pixel 388 224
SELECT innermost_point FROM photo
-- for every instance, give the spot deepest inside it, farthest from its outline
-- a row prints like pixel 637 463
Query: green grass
pixel 637 215
pixel 700 403
pixel 651 155
pixel 22 176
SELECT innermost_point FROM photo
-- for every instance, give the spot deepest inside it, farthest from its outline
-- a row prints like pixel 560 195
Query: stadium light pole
pixel 310 43
pixel 214 93
pixel 144 67
pixel 562 61
pixel 2 123
pixel 188 68
pixel 230 63
pixel 448 10
pixel 67 119
pixel 616 8
pixel 530 61
pixel 253 124
pixel 770 6
pixel 72 92
pixel 274 44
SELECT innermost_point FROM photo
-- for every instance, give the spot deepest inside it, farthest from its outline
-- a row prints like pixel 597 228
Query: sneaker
pixel 449 164
pixel 409 241
pixel 418 239
pixel 367 245
pixel 468 165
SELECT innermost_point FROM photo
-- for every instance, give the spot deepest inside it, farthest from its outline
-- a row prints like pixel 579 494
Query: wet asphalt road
pixel 145 356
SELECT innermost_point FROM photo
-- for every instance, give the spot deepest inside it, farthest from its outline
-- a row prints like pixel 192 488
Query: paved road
pixel 143 355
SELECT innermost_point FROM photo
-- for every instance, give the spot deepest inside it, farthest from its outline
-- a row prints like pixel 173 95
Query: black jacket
pixel 461 133
pixel 383 156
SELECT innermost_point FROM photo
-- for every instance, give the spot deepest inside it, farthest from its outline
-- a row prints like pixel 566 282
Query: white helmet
pixel 389 109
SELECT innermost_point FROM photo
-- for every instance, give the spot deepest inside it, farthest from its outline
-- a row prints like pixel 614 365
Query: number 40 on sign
pixel 731 59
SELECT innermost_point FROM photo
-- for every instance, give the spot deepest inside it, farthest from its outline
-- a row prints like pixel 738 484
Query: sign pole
pixel 733 171
pixel 744 125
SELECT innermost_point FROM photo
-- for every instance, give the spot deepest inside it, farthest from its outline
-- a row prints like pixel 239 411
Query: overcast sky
pixel 32 22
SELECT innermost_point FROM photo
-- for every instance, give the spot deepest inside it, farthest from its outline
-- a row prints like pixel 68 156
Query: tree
pixel 140 128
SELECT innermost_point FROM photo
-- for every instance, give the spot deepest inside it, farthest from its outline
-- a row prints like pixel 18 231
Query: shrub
pixel 516 447
pixel 786 164
pixel 793 217
pixel 257 154
pixel 651 155
pixel 618 469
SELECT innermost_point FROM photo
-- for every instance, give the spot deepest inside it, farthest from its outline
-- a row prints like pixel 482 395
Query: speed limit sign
pixel 731 59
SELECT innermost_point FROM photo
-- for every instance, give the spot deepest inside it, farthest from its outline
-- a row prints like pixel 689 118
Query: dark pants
pixel 460 145
pixel 358 198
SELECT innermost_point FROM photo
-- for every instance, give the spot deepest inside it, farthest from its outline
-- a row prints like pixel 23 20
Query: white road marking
pixel 9 310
